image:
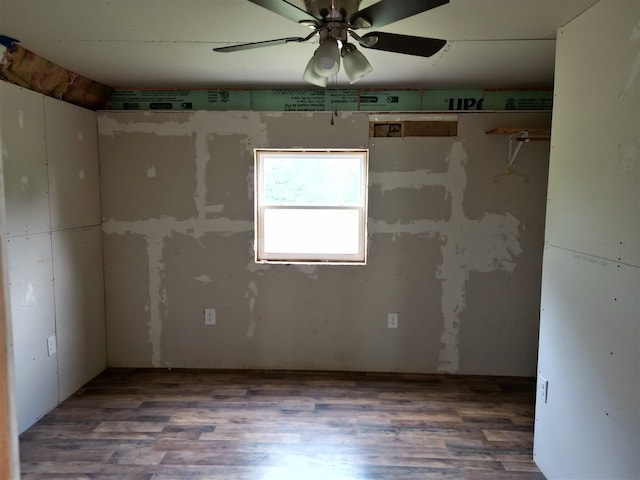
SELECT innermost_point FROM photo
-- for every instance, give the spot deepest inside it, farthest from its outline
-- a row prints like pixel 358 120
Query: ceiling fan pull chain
pixel 335 111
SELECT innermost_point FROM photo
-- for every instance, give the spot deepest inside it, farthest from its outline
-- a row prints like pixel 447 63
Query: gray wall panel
pixel 69 148
pixel 590 319
pixel 72 155
pixel 439 228
pixel 589 355
pixel 593 193
pixel 79 294
pixel 33 321
pixel 25 161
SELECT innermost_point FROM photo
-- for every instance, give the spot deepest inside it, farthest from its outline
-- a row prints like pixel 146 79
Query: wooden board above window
pixel 421 128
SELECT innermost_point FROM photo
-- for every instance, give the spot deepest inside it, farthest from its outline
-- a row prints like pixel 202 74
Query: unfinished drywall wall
pixel 9 458
pixel 54 247
pixel 589 425
pixel 177 203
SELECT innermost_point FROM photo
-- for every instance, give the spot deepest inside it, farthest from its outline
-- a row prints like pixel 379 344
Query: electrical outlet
pixel 209 316
pixel 543 386
pixel 392 320
pixel 51 345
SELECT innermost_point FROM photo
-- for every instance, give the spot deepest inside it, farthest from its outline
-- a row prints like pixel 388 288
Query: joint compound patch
pixel 309 270
pixel 628 153
pixel 204 279
pixel 30 298
pixel 634 68
pixel 251 294
pixel 415 180
pixel 157 297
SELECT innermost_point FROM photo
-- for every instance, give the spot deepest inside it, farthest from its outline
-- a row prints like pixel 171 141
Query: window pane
pixel 313 231
pixel 312 180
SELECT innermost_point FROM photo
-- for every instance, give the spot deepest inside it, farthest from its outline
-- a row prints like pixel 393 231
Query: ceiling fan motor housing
pixel 336 10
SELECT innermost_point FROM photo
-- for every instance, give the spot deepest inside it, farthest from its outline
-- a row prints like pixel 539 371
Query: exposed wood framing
pixel 533 133
pixel 421 128
pixel 29 70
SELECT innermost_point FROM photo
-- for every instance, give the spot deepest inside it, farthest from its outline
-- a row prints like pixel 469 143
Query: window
pixel 311 206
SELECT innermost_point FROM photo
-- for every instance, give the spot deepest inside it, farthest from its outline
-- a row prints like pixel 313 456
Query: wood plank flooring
pixel 271 425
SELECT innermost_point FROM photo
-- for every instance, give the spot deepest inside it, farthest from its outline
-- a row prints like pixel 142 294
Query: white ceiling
pixel 167 43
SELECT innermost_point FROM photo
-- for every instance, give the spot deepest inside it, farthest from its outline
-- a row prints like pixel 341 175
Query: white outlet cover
pixel 51 345
pixel 392 320
pixel 209 316
pixel 543 385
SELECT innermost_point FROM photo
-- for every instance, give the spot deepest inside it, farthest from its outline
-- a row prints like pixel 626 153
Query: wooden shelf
pixel 533 134
pixel 520 136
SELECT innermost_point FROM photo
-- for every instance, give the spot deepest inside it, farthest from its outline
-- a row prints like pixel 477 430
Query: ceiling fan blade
pixel 407 44
pixel 252 45
pixel 385 12
pixel 287 10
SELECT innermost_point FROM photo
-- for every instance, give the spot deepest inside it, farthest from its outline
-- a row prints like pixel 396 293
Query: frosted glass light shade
pixel 355 64
pixel 311 76
pixel 327 58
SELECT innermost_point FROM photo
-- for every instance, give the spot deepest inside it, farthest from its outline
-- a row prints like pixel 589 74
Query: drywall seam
pixel 251 294
pixel 430 228
pixel 110 126
pixel 416 179
pixel 165 226
pixel 201 160
pixel 595 258
pixel 192 123
pixel 157 296
pixel 483 245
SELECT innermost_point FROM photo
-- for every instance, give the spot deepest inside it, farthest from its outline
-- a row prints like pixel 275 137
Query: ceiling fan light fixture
pixel 311 76
pixel 326 60
pixel 355 63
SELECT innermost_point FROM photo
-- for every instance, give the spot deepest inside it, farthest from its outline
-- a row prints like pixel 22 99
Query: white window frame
pixel 260 207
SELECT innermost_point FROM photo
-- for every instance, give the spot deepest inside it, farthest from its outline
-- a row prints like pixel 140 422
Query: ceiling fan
pixel 334 21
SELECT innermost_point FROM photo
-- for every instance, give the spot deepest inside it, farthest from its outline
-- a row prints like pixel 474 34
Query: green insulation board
pixel 316 100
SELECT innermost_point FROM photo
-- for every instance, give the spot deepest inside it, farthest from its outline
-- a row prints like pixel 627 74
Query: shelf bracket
pixel 517 140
